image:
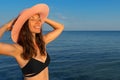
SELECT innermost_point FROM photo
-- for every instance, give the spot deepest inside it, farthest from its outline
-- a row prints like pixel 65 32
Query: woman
pixel 29 48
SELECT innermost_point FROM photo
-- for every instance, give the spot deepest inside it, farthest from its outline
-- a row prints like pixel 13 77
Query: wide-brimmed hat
pixel 24 15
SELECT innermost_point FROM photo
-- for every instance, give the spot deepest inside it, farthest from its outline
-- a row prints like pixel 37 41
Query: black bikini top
pixel 33 67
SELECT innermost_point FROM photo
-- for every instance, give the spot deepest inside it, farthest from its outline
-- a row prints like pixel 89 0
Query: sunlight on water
pixel 76 55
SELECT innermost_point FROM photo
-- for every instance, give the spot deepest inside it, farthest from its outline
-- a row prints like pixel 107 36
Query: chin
pixel 37 32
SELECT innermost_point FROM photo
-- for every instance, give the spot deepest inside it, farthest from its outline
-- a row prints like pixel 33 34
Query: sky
pixel 77 15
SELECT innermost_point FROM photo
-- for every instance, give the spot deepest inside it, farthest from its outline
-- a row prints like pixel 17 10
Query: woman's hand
pixel 8 25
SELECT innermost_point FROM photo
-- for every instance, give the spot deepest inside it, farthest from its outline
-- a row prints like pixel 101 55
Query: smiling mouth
pixel 37 27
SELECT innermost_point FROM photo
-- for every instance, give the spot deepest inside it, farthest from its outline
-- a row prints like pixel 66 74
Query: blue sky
pixel 74 14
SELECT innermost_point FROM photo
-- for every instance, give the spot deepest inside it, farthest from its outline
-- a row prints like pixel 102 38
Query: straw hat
pixel 41 9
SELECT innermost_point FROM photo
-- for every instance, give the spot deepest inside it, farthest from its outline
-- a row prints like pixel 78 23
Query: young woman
pixel 29 48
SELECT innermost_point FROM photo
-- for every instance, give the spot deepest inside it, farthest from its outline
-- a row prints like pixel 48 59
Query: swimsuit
pixel 33 67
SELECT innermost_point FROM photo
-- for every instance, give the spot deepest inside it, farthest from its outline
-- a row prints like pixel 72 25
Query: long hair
pixel 25 39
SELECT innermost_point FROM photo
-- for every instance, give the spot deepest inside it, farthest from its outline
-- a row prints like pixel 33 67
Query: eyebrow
pixel 38 17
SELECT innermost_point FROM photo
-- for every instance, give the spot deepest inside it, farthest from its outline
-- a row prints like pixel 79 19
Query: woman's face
pixel 35 23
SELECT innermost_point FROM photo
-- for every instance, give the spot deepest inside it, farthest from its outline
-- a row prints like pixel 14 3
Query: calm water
pixel 75 55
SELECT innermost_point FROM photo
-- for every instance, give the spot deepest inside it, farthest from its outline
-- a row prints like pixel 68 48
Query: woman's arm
pixel 6 27
pixel 2 30
pixel 7 49
pixel 58 28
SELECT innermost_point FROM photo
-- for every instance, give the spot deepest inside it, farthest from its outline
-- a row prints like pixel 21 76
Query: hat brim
pixel 41 9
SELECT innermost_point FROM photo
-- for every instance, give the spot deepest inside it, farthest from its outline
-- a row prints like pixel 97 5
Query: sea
pixel 75 55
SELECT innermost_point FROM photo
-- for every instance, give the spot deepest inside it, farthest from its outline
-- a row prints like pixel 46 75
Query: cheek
pixel 30 26
pixel 34 29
